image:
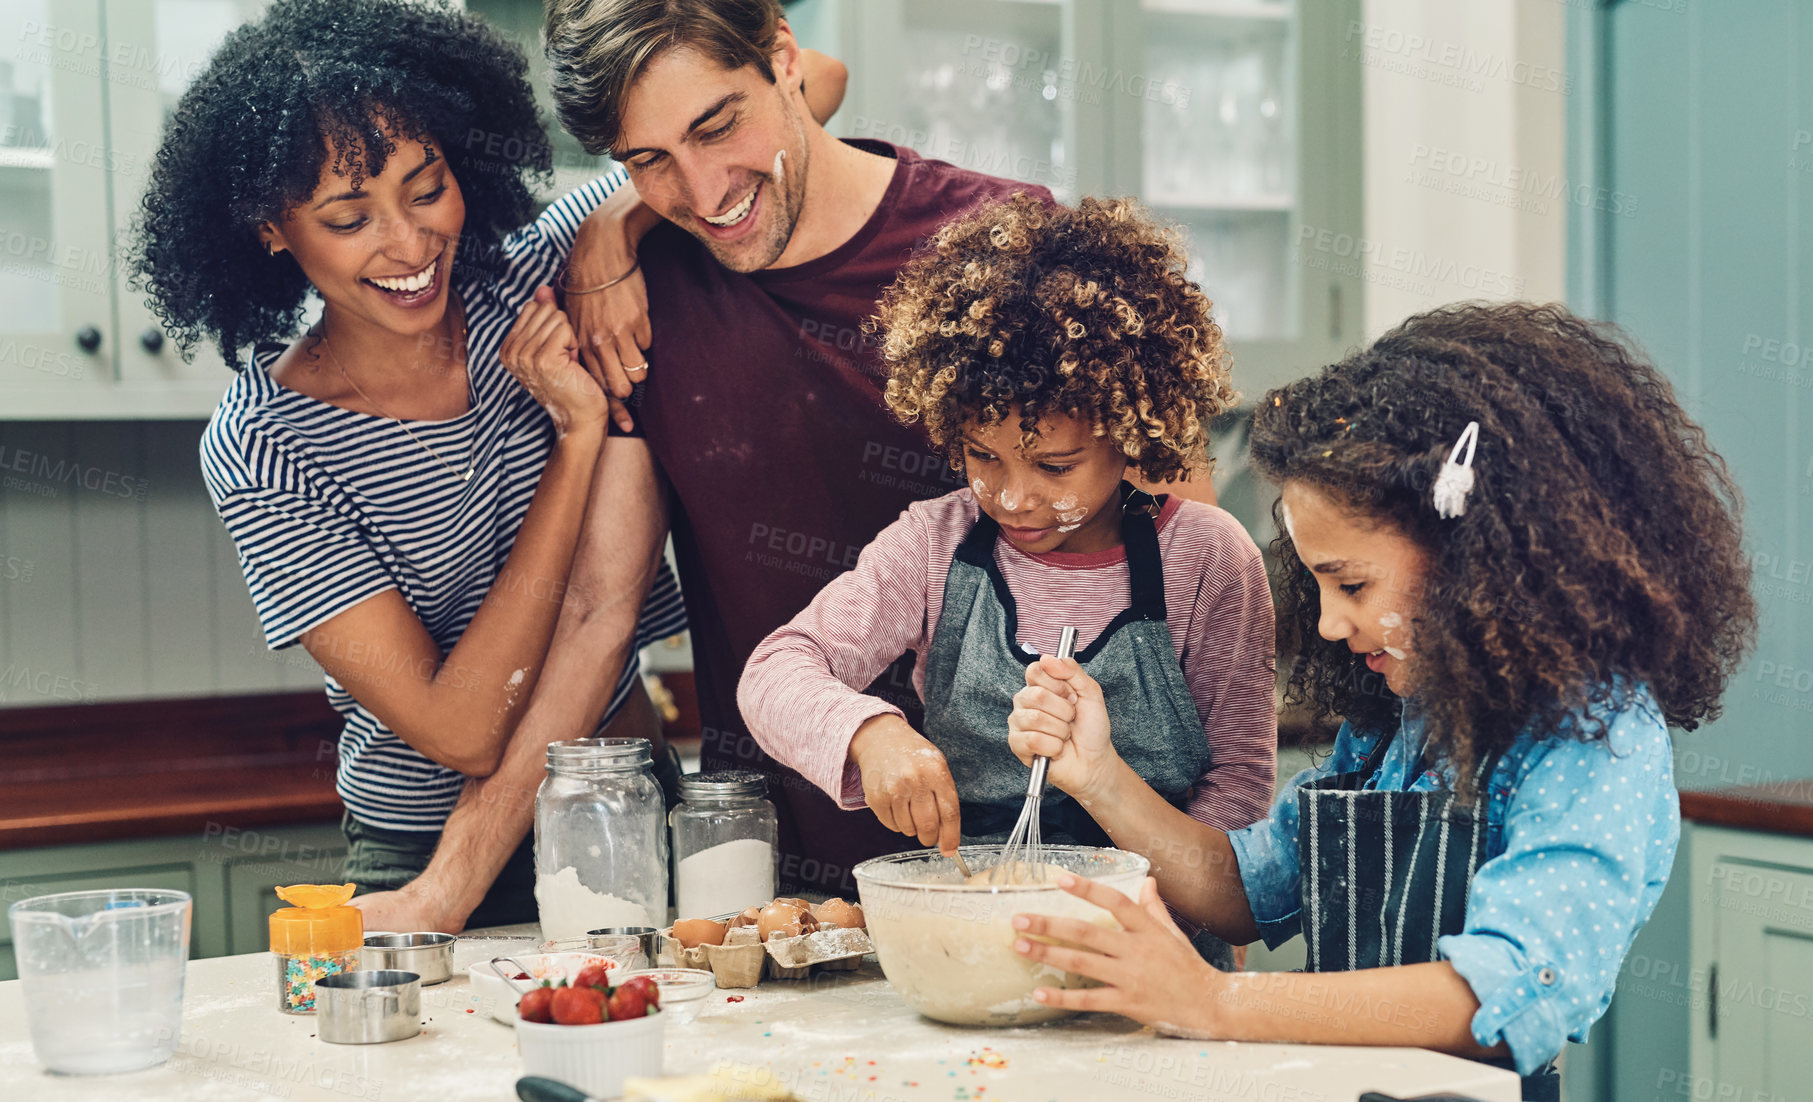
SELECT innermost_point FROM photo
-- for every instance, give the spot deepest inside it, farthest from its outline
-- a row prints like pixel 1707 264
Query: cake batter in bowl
pixel 947 945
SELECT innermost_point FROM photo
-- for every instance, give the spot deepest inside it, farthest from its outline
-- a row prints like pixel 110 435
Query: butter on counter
pixel 728 1082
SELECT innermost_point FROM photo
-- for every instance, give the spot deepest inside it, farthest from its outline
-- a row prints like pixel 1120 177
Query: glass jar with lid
pixel 316 936
pixel 600 838
pixel 725 838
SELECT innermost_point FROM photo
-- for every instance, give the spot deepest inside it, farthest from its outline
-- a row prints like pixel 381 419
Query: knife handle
pixel 536 1088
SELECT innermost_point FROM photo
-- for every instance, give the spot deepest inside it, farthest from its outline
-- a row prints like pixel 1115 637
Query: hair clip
pixel 1455 481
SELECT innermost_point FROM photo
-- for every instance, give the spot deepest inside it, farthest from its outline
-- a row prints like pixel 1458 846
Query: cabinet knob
pixel 89 338
pixel 153 340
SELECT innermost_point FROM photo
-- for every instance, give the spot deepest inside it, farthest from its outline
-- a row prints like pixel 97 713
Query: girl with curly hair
pixel 1051 352
pixel 406 482
pixel 1511 562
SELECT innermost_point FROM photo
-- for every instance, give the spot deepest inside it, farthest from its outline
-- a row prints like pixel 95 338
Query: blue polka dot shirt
pixel 1580 840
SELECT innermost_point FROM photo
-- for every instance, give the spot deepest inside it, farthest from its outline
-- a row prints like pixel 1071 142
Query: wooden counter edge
pixel 231 726
pixel 1748 809
pixel 138 823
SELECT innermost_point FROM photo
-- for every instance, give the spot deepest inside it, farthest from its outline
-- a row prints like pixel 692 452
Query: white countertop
pixel 839 1036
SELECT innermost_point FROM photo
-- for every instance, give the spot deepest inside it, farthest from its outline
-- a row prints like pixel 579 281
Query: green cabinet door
pixel 1760 985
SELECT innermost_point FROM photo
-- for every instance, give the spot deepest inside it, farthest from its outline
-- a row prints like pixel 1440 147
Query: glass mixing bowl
pixel 948 946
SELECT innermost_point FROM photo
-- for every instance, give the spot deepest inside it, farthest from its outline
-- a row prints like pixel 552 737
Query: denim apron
pixel 1385 874
pixel 975 666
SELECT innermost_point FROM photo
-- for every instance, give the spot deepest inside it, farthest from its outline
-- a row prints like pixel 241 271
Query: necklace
pixel 471 450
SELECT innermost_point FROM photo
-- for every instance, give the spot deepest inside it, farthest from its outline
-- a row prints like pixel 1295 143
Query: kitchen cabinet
pixel 230 873
pixel 56 267
pixel 81 115
pixel 1233 119
pixel 1750 988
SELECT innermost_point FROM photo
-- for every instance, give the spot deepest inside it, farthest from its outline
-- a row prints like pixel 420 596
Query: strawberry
pixel 651 991
pixel 628 1003
pixel 578 1005
pixel 593 975
pixel 537 1005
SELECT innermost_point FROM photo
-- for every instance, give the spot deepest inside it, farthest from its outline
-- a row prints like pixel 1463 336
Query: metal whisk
pixel 1025 843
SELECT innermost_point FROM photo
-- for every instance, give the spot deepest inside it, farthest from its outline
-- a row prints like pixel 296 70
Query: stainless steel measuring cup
pixel 368 1007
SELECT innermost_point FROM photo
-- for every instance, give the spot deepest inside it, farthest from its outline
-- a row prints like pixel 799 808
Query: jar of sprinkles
pixel 318 936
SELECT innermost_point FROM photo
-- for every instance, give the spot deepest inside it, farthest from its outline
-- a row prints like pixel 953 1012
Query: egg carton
pixel 744 960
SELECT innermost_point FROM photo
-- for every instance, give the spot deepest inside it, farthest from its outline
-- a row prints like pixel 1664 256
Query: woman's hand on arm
pixel 612 324
pixel 824 84
pixel 542 352
pixel 1150 973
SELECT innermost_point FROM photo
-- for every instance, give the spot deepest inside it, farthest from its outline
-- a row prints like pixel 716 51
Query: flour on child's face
pixel 1389 623
pixel 1368 578
pixel 1065 482
pixel 1069 513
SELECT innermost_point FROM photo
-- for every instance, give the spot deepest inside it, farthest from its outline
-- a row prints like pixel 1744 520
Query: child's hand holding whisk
pixel 1060 714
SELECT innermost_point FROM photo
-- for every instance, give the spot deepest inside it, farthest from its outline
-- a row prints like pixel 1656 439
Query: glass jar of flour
pixel 725 836
pixel 600 838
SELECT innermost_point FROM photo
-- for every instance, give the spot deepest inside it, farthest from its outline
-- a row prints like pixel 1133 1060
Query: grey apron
pixel 976 665
pixel 1384 874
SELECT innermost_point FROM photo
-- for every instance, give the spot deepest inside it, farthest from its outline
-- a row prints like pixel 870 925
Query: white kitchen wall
pixel 116 578
pixel 1465 154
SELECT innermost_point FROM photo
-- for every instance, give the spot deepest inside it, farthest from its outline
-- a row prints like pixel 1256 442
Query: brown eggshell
pixel 792 902
pixel 694 932
pixel 782 919
pixel 749 917
pixel 847 916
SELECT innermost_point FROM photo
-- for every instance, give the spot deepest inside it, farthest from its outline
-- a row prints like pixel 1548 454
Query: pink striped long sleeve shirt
pixel 801 691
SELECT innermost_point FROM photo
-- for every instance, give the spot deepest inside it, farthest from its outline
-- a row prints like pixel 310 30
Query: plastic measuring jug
pixel 102 973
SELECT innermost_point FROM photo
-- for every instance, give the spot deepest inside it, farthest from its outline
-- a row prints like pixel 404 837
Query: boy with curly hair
pixel 1050 352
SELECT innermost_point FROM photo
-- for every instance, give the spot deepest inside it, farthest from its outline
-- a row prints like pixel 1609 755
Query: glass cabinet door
pixel 1233 119
pixel 1260 153
pixel 56 271
pixel 984 84
pixel 1221 156
pixel 157 47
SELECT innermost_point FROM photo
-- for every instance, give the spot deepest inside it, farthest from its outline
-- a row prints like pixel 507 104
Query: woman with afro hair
pixel 1052 353
pixel 406 480
pixel 1510 562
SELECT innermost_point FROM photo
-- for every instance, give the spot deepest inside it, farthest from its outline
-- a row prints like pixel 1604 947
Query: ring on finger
pixel 643 366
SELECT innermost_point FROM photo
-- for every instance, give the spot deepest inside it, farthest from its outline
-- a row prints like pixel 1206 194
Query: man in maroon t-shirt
pixel 764 406
pixel 762 401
